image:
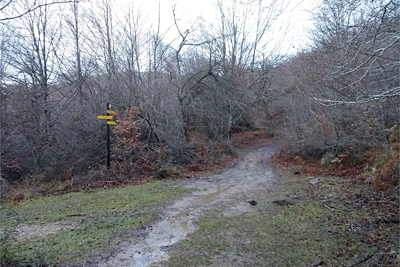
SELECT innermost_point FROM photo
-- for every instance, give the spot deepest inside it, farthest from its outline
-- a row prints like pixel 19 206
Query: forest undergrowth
pixel 150 163
pixel 370 183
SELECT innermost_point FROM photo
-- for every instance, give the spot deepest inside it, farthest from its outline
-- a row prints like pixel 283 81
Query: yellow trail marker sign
pixel 102 117
pixel 110 112
pixel 111 122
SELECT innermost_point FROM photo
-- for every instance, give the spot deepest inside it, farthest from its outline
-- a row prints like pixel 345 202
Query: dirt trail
pixel 232 188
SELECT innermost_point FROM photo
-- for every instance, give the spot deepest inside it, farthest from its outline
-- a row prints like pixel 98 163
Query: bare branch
pixel 34 8
pixel 389 93
pixel 3 7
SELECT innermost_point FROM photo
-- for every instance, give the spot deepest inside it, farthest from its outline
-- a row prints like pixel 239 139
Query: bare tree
pixel 348 84
pixel 75 29
pixel 185 81
pixel 101 27
pixel 133 53
pixel 244 47
pixel 33 68
pixel 362 40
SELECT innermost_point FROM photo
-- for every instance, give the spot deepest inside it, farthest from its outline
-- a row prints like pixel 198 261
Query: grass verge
pixel 327 222
pixel 99 218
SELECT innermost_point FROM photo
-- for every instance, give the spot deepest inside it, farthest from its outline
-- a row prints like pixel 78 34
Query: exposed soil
pixel 232 189
pixel 36 232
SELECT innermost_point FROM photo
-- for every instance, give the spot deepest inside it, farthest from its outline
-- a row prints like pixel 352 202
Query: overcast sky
pixel 188 11
pixel 297 14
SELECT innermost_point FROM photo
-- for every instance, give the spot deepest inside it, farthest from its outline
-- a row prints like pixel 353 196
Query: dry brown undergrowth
pixel 150 164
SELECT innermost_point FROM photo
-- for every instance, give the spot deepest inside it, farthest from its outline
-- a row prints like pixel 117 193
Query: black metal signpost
pixel 109 118
pixel 108 140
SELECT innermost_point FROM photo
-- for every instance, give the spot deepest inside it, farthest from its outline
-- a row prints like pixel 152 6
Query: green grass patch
pixel 321 226
pixel 101 217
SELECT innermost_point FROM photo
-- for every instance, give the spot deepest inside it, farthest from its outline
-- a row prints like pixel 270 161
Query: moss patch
pixel 101 217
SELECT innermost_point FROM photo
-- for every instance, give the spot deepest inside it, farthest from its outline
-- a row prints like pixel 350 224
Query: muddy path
pixel 231 189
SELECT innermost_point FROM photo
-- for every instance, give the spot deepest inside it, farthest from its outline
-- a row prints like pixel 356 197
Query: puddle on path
pixel 235 185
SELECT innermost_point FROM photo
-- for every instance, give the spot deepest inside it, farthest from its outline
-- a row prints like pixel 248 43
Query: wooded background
pixel 61 63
